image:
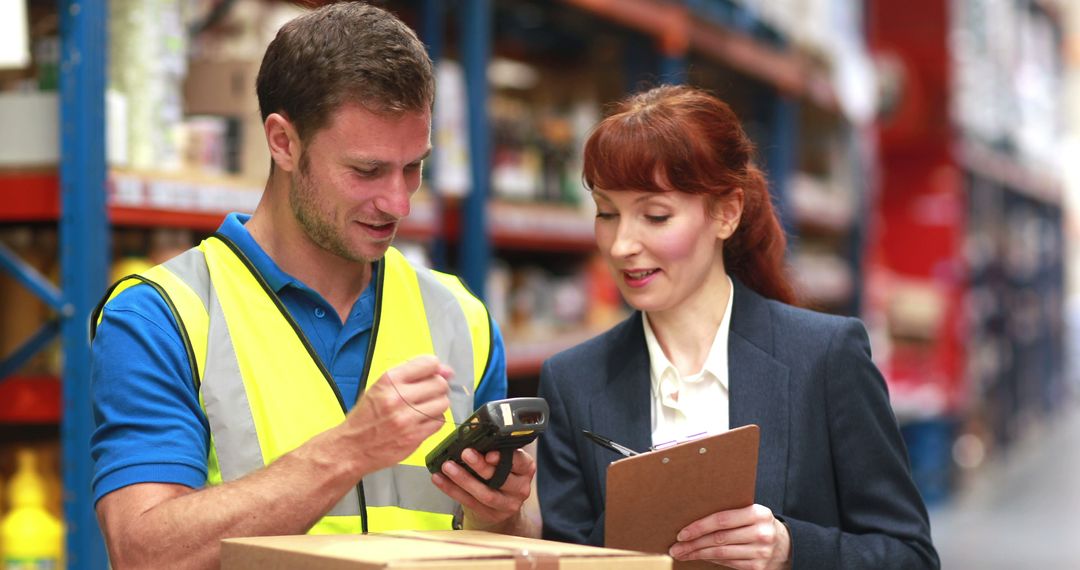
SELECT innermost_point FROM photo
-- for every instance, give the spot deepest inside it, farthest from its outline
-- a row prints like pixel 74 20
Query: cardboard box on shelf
pixel 227 89
pixel 221 88
pixel 424 550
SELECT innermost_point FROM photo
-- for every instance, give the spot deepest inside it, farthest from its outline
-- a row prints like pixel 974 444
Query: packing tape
pixel 525 560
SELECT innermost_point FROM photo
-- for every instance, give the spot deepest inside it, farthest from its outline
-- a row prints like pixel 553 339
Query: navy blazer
pixel 832 463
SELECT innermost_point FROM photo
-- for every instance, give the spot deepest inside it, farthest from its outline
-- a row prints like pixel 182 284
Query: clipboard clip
pixel 690 437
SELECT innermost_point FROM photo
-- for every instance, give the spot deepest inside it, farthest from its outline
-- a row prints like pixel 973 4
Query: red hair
pixel 676 137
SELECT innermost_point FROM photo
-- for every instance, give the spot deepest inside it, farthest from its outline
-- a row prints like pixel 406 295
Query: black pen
pixel 607 443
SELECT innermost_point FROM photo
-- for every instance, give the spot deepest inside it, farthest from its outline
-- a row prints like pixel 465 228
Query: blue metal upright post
pixel 432 20
pixel 673 69
pixel 474 245
pixel 781 158
pixel 83 256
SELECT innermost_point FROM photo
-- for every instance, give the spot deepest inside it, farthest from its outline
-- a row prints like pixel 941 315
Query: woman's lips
pixel 639 277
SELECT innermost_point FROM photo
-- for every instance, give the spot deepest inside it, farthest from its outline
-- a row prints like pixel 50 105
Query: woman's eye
pixel 605 215
pixel 658 219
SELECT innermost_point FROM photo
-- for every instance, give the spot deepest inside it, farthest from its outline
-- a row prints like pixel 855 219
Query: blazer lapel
pixel 620 409
pixel 759 392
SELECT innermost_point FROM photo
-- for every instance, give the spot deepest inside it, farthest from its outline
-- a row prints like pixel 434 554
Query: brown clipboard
pixel 653 495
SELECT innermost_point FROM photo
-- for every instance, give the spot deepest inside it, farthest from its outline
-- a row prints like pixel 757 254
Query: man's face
pixel 356 177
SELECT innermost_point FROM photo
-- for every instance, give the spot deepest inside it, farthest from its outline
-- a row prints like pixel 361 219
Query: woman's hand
pixel 750 538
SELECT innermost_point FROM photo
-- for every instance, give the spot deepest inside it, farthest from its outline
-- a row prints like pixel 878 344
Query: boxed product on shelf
pixel 31 133
pixel 147 60
pixel 450 131
pixel 415 550
pixel 226 90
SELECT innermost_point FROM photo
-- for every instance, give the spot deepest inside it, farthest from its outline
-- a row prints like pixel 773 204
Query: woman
pixel 685 224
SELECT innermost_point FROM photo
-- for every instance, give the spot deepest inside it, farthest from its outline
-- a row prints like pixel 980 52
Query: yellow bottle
pixel 31 538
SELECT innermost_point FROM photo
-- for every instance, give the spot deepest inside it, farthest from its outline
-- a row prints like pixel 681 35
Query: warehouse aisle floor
pixel 1022 510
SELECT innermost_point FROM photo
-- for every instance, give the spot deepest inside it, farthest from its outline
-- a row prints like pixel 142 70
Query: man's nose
pixel 394 200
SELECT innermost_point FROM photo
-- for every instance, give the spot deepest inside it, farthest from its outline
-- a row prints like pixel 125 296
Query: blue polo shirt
pixel 150 426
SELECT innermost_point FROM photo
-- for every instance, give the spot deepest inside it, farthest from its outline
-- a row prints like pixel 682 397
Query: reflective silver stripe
pixel 410 486
pixel 451 339
pixel 384 489
pixel 221 386
pixel 225 399
pixel 191 268
pixel 348 506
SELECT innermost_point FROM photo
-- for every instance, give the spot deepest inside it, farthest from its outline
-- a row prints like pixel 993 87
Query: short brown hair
pixel 681 138
pixel 348 52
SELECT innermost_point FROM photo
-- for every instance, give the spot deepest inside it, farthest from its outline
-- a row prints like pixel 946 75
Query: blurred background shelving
pixel 911 148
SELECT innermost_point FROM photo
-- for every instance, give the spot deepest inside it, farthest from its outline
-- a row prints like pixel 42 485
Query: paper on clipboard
pixel 652 496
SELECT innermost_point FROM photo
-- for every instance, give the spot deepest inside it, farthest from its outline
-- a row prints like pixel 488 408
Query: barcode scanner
pixel 503 425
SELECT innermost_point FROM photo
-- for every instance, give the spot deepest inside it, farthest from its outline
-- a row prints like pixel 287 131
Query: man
pixel 225 378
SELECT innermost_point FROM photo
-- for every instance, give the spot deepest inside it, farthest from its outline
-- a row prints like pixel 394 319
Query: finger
pixel 522 469
pixel 430 400
pixel 418 369
pixel 723 520
pixel 433 388
pixel 481 464
pixel 730 555
pixel 524 464
pixel 478 496
pixel 743 535
pixel 468 502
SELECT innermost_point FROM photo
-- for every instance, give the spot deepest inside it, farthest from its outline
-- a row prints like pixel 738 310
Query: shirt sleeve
pixel 493 384
pixel 149 425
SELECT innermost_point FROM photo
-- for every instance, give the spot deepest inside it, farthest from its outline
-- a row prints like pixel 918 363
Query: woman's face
pixel 664 248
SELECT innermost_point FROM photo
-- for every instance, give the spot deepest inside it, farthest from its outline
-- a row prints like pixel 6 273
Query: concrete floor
pixel 1021 510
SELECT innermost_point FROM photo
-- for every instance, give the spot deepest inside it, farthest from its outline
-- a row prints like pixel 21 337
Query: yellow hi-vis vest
pixel 265 391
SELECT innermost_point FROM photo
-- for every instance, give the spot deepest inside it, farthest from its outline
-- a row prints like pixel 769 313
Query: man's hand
pixel 749 538
pixel 498 510
pixel 405 406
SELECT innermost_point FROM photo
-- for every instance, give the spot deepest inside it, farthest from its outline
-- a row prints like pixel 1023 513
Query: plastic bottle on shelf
pixel 31 538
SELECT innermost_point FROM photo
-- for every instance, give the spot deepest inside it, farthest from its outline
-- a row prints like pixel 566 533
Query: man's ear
pixel 284 142
pixel 728 212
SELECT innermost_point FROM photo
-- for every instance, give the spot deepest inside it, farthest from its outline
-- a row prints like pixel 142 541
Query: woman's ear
pixel 284 142
pixel 728 212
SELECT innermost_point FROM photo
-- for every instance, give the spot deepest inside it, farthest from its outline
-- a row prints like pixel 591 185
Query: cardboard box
pixel 227 89
pixel 221 88
pixel 425 550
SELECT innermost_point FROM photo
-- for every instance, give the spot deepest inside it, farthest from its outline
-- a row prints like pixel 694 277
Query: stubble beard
pixel 316 222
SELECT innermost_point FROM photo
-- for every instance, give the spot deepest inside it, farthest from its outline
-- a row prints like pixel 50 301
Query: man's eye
pixel 365 172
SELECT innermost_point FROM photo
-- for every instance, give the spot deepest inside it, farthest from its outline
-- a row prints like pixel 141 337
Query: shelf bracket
pixel 33 280
pixel 44 335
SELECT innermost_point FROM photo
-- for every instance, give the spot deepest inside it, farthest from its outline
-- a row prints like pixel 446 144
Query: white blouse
pixel 683 407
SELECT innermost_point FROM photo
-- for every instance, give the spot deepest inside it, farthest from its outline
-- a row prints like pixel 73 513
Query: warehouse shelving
pixel 966 264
